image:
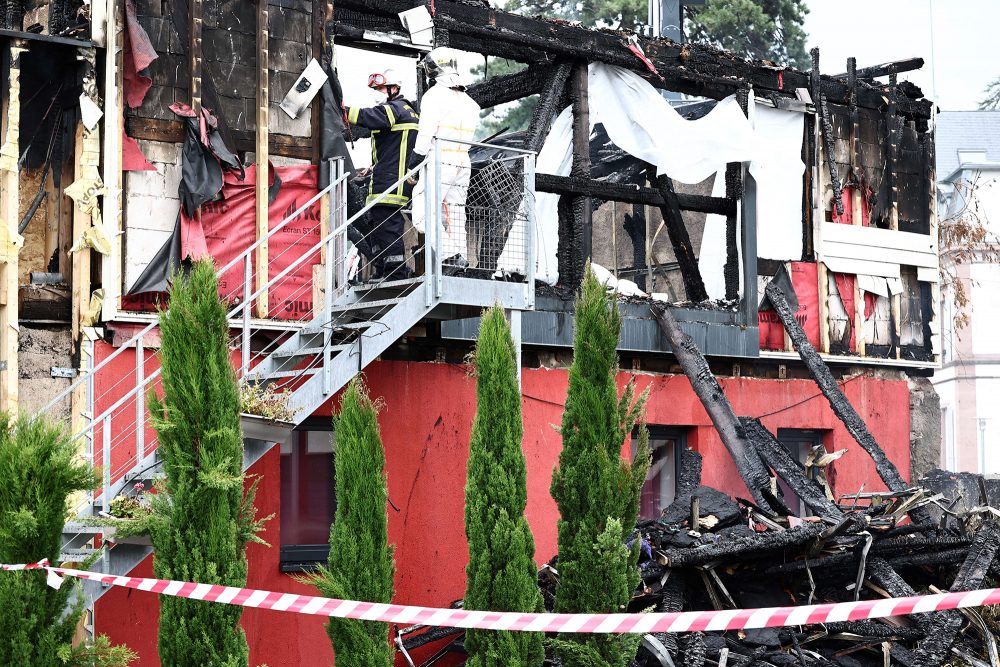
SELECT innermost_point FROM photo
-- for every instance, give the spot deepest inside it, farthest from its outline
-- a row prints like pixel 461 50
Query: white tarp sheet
pixel 778 173
pixel 643 124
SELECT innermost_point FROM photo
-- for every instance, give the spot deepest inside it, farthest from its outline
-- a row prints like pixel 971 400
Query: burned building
pixel 775 233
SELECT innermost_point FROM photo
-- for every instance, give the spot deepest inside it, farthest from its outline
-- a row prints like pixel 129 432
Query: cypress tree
pixel 597 492
pixel 501 573
pixel 202 519
pixel 360 566
pixel 39 470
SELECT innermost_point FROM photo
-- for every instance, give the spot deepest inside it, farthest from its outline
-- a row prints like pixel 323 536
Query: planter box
pixel 110 534
pixel 267 430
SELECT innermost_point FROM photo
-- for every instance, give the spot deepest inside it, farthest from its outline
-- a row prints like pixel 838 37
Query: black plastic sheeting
pixel 332 127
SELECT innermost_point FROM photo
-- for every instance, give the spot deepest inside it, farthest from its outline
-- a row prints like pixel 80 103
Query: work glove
pixel 415 159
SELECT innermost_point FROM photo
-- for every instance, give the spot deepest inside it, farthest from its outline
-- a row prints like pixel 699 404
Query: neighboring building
pixel 968 164
pixel 863 279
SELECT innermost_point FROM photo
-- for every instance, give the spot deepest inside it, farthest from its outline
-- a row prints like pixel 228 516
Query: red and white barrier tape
pixel 689 621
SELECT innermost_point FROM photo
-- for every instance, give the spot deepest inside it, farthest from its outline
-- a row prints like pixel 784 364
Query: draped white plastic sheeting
pixel 643 124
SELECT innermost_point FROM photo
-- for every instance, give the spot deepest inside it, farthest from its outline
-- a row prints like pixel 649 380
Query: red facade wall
pixel 425 427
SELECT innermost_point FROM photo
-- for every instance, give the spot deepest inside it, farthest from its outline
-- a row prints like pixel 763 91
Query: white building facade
pixel 968 383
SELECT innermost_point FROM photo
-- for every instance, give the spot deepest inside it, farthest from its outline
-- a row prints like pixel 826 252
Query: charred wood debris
pixel 708 550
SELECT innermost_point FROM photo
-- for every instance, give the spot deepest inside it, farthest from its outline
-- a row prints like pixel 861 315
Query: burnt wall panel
pixel 229 62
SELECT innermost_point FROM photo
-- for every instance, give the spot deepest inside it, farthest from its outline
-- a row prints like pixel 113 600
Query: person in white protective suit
pixel 448 115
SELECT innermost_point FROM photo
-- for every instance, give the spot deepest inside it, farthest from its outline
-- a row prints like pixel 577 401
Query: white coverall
pixel 447 113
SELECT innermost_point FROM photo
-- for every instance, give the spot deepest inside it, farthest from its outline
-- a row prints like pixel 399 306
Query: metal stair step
pixel 279 375
pixel 75 555
pixel 366 305
pixel 312 330
pixel 79 528
pixel 306 351
pixel 389 284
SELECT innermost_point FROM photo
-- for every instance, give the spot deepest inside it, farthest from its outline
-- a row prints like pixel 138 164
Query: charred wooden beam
pixel 635 227
pixel 548 106
pixel 511 87
pixel 885 69
pixel 936 647
pixel 826 131
pixel 630 193
pixel 677 232
pixel 838 402
pixel 731 269
pixel 743 546
pixel 790 470
pixel 691 66
pixel 714 400
pixel 583 209
pixel 689 475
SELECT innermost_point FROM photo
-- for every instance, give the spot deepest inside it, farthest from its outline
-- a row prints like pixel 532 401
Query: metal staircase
pixel 314 356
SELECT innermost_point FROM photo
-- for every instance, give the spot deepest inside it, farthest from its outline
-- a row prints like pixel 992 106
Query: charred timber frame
pixel 694 286
pixel 685 68
pixel 838 402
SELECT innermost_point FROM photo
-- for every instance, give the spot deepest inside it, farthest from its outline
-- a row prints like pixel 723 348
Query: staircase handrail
pixel 85 377
pixel 341 229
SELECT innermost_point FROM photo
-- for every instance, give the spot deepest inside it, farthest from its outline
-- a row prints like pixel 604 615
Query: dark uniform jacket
pixel 393 128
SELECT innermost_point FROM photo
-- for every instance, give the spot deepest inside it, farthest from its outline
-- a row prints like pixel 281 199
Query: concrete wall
pixel 426 435
pixel 39 349
pixel 151 206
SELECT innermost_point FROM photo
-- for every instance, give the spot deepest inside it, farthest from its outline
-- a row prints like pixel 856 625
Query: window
pixel 307 496
pixel 798 442
pixel 661 482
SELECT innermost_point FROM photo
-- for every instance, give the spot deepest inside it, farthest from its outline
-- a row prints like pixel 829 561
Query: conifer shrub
pixel 360 566
pixel 501 575
pixel 39 470
pixel 596 490
pixel 202 519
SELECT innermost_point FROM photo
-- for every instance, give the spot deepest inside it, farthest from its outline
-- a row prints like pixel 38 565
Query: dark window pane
pixel 307 488
pixel 661 481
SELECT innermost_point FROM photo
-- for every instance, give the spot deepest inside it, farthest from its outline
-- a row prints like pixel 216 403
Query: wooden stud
pixel 9 215
pixel 111 174
pixel 582 206
pixel 263 102
pixel 197 22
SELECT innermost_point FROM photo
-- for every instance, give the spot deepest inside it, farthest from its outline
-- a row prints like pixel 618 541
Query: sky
pixel 965 42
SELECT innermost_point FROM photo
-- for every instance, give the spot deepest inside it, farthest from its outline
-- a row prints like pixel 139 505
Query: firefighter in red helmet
pixel 392 125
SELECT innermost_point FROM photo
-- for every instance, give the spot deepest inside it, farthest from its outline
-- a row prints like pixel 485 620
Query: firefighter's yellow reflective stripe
pixel 400 127
pixel 352 115
pixel 371 182
pixel 388 199
pixel 389 113
pixel 403 145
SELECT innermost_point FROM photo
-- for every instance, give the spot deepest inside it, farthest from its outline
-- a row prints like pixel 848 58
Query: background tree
pixel 39 470
pixel 202 519
pixel 360 566
pixel 759 29
pixel 501 575
pixel 991 101
pixel 597 491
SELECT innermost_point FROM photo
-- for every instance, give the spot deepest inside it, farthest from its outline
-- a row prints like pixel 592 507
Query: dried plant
pixel 261 400
pixel 965 238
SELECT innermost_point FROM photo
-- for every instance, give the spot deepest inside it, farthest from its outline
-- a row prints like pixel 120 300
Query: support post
pixel 9 217
pixel 515 333
pixel 714 400
pixel 582 206
pixel 838 402
pixel 114 121
pixel 263 166
pixel 81 259
pixel 694 286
